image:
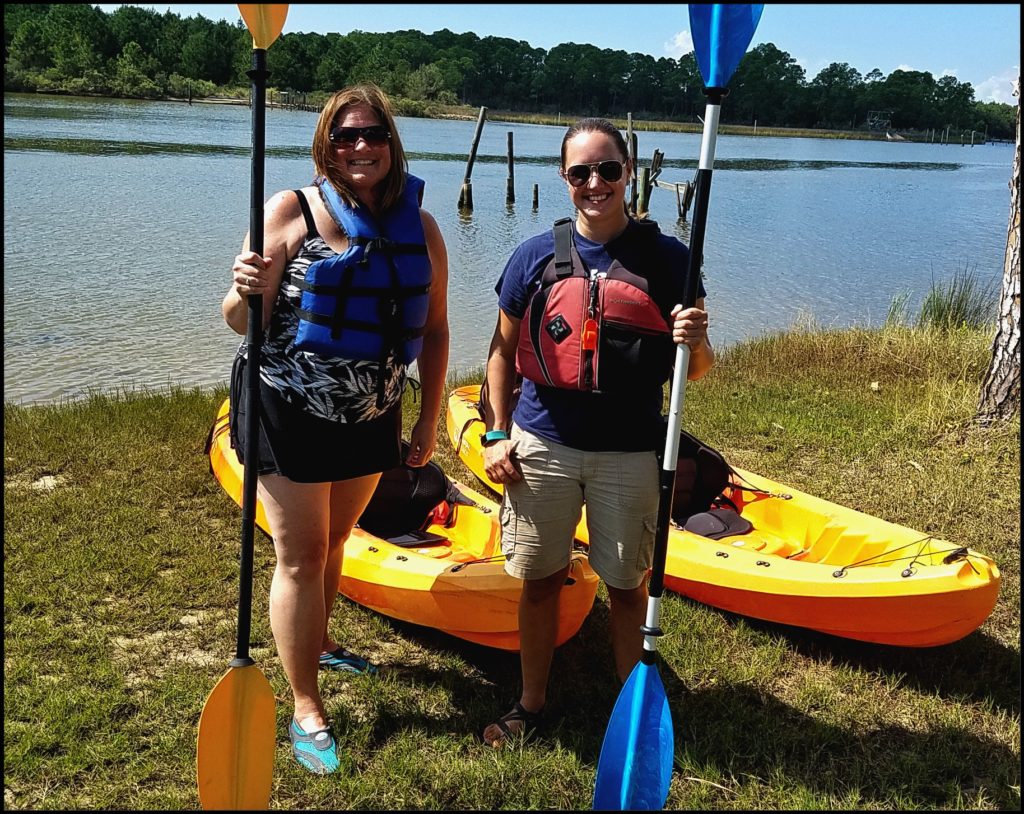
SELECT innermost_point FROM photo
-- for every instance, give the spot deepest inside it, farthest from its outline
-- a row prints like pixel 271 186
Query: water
pixel 122 218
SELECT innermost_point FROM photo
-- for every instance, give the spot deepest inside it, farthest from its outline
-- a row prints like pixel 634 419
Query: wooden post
pixel 631 148
pixel 510 187
pixel 536 196
pixel 645 192
pixel 466 196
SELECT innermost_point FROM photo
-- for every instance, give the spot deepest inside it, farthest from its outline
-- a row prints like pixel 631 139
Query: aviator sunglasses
pixel 375 136
pixel 579 174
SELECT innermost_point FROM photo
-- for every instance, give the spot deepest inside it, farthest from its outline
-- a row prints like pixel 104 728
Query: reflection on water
pixel 122 217
pixel 82 146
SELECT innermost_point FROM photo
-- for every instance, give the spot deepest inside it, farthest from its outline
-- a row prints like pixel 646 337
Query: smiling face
pixel 364 165
pixel 600 202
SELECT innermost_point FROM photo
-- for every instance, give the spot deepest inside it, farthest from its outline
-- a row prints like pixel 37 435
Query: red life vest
pixel 601 332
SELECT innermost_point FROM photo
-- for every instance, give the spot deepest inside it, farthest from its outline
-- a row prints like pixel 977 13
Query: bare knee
pixel 628 598
pixel 545 588
pixel 300 558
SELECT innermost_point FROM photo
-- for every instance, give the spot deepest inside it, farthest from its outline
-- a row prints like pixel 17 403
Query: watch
pixel 491 436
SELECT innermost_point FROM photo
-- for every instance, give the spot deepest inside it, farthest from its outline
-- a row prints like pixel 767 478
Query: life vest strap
pixel 338 323
pixel 563 247
pixel 383 244
pixel 400 291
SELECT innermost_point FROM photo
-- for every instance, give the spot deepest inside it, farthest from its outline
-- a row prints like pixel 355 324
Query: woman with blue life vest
pixel 588 316
pixel 354 282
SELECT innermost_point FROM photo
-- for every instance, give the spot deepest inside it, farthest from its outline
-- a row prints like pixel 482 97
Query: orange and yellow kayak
pixel 807 562
pixel 455 583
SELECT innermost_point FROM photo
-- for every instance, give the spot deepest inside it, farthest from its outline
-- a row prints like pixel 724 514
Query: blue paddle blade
pixel 635 766
pixel 721 33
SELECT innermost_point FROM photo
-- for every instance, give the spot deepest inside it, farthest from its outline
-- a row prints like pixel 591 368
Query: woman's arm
pixel 283 230
pixel 501 374
pixel 433 360
pixel 691 326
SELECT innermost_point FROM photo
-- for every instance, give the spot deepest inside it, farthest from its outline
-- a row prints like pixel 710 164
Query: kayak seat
pixel 416 539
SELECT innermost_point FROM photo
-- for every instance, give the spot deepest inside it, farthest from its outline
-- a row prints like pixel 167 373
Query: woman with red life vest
pixel 354 283
pixel 588 315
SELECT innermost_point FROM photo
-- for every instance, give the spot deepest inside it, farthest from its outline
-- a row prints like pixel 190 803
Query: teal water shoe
pixel 317 750
pixel 346 661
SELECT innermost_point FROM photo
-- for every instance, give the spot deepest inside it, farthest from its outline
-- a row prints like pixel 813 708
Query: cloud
pixel 998 88
pixel 680 45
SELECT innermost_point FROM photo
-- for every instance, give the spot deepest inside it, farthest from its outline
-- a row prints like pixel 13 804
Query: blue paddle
pixel 635 766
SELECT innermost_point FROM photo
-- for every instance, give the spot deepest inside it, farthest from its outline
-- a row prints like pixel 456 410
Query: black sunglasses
pixel 578 174
pixel 375 135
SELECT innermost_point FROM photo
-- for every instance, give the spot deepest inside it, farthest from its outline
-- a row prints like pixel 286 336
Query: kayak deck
pixel 807 562
pixel 452 578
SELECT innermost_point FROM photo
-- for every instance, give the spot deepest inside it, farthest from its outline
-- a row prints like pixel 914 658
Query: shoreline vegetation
pixel 414 109
pixel 120 603
pixel 139 53
pixel 408 107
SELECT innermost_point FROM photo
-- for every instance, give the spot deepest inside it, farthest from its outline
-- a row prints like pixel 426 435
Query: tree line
pixel 138 52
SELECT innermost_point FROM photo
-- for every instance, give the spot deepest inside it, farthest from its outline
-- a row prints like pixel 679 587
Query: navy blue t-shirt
pixel 623 422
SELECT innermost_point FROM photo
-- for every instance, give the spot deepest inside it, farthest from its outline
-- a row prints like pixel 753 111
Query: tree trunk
pixel 1000 393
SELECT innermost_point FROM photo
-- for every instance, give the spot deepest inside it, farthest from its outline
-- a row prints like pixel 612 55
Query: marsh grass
pixel 121 586
pixel 965 301
pixel 467 112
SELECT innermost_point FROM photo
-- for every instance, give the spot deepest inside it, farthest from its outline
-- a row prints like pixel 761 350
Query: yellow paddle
pixel 235 749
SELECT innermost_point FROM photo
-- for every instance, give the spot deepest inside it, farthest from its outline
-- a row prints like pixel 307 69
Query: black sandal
pixel 532 721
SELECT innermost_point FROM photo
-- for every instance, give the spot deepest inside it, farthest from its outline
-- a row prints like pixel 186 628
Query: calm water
pixel 121 219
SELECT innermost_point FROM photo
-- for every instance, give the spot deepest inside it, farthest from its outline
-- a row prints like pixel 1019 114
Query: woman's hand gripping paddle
pixel 235 750
pixel 635 767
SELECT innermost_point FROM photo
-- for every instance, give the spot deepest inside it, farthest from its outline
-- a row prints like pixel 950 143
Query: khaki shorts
pixel 539 513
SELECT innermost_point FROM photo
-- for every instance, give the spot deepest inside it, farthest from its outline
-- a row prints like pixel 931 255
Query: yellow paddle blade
pixel 264 21
pixel 235 759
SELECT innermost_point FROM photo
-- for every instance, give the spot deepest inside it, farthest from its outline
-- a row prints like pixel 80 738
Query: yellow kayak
pixel 453 580
pixel 807 562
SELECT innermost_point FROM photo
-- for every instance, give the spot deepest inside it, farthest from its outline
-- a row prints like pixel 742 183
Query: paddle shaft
pixel 254 343
pixel 702 195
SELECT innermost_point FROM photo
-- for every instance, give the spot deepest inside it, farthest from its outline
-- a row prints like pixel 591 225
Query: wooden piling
pixel 643 201
pixel 631 149
pixel 648 176
pixel 536 196
pixel 466 196
pixel 510 187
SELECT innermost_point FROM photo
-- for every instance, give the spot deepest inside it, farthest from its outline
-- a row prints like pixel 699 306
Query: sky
pixel 978 43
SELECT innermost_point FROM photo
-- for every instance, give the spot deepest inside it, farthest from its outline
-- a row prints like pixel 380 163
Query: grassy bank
pixel 564 119
pixel 120 600
pixel 435 110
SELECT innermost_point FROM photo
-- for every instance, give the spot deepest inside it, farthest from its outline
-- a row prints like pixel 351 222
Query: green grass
pixel 966 301
pixel 120 601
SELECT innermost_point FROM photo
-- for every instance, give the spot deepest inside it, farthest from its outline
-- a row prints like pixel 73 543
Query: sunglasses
pixel 375 136
pixel 579 174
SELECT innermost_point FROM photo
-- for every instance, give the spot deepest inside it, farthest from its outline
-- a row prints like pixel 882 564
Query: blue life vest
pixel 373 298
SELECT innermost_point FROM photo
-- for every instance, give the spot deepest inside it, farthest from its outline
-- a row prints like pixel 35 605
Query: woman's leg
pixel 349 499
pixel 628 612
pixel 299 517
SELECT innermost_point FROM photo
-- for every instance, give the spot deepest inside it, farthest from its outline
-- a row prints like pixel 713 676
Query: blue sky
pixel 979 44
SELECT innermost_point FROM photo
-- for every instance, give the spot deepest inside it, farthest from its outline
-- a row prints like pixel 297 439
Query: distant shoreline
pixel 422 110
pixel 471 114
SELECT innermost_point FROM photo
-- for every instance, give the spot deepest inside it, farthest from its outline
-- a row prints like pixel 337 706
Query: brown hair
pixel 591 125
pixel 325 156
